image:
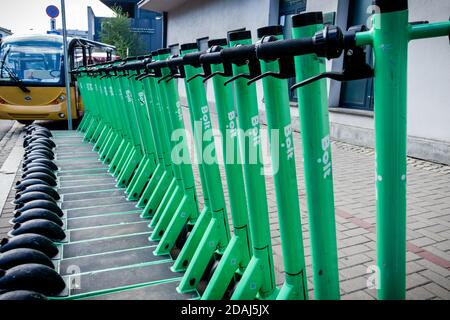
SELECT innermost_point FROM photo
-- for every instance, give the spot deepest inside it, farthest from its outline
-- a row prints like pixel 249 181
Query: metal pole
pixel 390 43
pixel 66 66
pixel 276 96
pixel 315 134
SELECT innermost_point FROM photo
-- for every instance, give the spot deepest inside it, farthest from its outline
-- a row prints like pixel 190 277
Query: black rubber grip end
pixel 217 42
pixel 270 31
pixel 239 35
pixel 163 51
pixel 307 19
pixel 391 5
pixel 188 46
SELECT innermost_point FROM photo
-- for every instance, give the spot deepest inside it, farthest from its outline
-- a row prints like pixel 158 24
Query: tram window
pixel 78 57
pixel 31 61
pixel 99 55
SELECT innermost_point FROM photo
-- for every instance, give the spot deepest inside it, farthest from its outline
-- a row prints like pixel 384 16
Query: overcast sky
pixel 28 16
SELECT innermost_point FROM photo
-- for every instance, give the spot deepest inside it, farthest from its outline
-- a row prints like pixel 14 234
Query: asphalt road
pixel 5 125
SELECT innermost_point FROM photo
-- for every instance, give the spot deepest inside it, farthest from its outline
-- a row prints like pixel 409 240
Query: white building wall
pixel 213 18
pixel 428 92
pixel 428 76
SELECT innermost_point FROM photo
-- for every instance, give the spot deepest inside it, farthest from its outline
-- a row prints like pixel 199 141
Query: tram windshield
pixel 31 62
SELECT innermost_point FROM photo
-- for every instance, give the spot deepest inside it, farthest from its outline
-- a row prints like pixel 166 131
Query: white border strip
pixel 8 171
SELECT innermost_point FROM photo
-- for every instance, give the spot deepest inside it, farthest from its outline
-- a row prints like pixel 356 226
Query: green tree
pixel 116 31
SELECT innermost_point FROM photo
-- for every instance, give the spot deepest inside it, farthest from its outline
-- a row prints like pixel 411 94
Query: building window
pixel 356 94
pixel 174 49
pixel 202 43
pixel 288 8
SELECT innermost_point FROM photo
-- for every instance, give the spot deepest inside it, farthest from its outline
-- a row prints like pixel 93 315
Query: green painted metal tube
pixel 227 122
pixel 276 100
pixel 238 252
pixel 315 133
pixel 148 163
pixel 390 85
pixel 199 110
pixel 217 234
pixel 429 30
pixel 259 277
pixel 179 206
pixel 186 186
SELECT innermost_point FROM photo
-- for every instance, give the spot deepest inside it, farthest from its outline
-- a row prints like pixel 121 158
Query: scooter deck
pixel 107 253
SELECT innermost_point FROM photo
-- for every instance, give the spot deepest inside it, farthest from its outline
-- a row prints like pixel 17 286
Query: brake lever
pixel 206 73
pixel 254 71
pixel 356 66
pixel 142 76
pixel 129 76
pixel 238 76
pixel 287 70
pixel 164 78
pixel 338 76
pixel 285 63
pixel 264 75
pixel 172 76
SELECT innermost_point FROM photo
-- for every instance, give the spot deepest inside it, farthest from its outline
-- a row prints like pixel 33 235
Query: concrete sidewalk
pixel 11 153
pixel 428 223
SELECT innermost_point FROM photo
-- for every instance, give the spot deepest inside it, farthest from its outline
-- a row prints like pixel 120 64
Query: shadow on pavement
pixel 57 125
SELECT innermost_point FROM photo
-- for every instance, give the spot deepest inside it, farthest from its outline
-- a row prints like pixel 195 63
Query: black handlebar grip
pixel 238 53
pixel 291 47
pixel 175 62
pixel 157 65
pixel 134 65
pixel 193 58
pixel 211 58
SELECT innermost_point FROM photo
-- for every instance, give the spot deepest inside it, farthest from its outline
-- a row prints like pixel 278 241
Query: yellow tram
pixel 32 82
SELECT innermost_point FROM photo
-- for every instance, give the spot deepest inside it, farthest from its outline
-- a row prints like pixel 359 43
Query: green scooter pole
pixel 90 92
pixel 163 162
pixel 276 100
pixel 163 172
pixel 109 144
pixel 137 152
pixel 81 77
pixel 98 129
pixel 239 250
pixel 148 164
pixel 389 38
pixel 119 131
pixel 217 234
pixel 315 133
pixel 120 160
pixel 167 185
pixel 258 279
pixel 182 212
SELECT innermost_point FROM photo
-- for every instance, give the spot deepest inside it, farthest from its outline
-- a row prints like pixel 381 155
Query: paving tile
pixel 358 295
pixel 359 248
pixel 436 278
pixel 413 267
pixel 416 280
pixel 353 272
pixel 353 285
pixel 419 293
pixel 438 291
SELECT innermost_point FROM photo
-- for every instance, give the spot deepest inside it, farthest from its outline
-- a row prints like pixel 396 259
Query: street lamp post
pixel 66 66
